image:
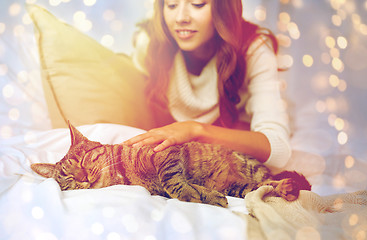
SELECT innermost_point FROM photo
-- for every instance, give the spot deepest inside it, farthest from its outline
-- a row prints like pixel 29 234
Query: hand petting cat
pixel 172 134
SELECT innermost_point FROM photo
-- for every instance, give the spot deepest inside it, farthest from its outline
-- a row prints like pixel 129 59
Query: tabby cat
pixel 193 172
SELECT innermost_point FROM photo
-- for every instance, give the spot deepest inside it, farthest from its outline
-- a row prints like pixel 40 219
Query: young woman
pixel 212 78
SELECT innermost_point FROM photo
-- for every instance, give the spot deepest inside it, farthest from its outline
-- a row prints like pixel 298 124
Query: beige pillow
pixel 85 82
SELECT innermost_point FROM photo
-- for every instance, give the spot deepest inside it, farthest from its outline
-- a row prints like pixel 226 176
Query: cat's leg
pixel 175 184
pixel 285 188
pixel 288 184
pixel 211 197
pixel 240 189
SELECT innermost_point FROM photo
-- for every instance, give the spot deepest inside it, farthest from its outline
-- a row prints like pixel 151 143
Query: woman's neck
pixel 196 60
pixel 194 64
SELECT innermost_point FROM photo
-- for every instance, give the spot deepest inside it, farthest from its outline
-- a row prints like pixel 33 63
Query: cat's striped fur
pixel 193 171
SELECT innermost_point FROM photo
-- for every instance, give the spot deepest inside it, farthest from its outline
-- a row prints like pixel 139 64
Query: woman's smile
pixel 185 34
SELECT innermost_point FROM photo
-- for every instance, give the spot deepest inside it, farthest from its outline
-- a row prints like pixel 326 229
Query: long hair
pixel 234 35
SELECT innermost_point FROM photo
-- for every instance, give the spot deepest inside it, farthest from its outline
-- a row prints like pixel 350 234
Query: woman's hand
pixel 175 133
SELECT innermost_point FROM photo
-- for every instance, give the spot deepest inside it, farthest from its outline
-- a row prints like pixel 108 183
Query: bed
pixel 54 54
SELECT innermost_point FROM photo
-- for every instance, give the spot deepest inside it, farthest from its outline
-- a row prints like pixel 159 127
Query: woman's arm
pixel 252 143
pixel 255 144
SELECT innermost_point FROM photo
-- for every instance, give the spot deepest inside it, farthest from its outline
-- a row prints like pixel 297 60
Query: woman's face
pixel 190 23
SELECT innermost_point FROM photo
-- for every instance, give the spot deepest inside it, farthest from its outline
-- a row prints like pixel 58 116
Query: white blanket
pixel 339 216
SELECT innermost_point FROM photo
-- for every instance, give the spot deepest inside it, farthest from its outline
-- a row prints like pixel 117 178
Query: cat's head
pixel 69 172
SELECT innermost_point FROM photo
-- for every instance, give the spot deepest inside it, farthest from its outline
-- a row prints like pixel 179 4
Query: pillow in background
pixel 85 82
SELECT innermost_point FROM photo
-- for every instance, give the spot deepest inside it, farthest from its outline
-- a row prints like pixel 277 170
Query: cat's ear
pixel 46 170
pixel 76 136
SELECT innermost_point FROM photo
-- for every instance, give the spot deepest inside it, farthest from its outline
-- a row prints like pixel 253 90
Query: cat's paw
pixel 204 195
pixel 213 197
pixel 217 199
pixel 288 189
pixel 199 194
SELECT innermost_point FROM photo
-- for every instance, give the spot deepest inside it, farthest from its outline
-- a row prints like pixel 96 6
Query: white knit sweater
pixel 196 97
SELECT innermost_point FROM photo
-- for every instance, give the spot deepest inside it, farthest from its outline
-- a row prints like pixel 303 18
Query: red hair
pixel 233 38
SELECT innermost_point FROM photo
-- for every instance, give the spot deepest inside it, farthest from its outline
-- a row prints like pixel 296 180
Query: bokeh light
pixel 260 13
pixel 339 124
pixel 293 30
pixel 14 114
pixel 330 42
pixel 3 69
pixel 6 132
pixel 334 80
pixel 285 61
pixel 308 233
pixel 307 60
pixel 89 2
pixel 81 22
pixel 339 182
pixel 353 219
pixel 284 17
pixel 109 15
pixel 320 106
pixel 130 223
pixel 342 138
pixel 116 25
pixel 97 228
pixel 349 162
pixel 157 215
pixel 2 27
pixel 336 20
pixel 14 9
pixel 8 91
pixel 284 1
pixel 284 40
pixel 114 236
pixel 37 213
pixel 55 2
pixel 342 42
pixel 107 40
pixel 298 3
pixel 18 30
pixel 26 19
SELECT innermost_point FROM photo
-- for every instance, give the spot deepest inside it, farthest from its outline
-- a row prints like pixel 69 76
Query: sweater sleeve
pixel 264 104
